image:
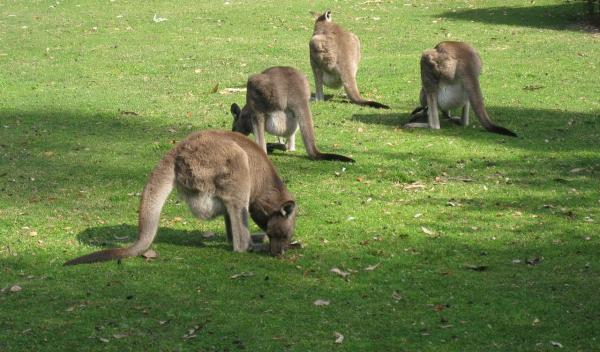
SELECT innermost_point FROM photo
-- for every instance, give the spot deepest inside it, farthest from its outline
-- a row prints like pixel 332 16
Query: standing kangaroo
pixel 450 79
pixel 277 102
pixel 334 58
pixel 216 173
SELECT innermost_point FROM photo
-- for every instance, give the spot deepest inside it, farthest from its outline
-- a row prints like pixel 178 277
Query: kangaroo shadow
pixel 538 129
pixel 557 16
pixel 390 119
pixel 326 97
pixel 122 235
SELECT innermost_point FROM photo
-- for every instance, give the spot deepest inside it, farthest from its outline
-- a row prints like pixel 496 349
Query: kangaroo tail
pixel 155 194
pixel 476 100
pixel 308 137
pixel 330 156
pixel 355 97
pixel 374 104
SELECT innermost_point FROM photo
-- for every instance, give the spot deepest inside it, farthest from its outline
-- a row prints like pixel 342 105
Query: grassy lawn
pixel 475 241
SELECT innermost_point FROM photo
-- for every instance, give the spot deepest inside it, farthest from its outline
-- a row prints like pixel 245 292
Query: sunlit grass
pixel 94 93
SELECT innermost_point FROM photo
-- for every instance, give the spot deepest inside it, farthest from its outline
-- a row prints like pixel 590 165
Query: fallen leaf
pixel 295 245
pixel 413 186
pixel 516 261
pixel 132 113
pixel 158 19
pixel 102 339
pixel 534 261
pixel 339 272
pixel 321 302
pixel 396 296
pixel 227 91
pixel 476 267
pixel 577 170
pixel 241 275
pixel 372 267
pixel 208 235
pixel 150 254
pixel 532 87
pixel 191 333
pixel 556 344
pixel 535 322
pixel 439 307
pixel 215 88
pixel 120 336
pixel 427 231
pixel 120 238
pixel 15 288
pixel 339 338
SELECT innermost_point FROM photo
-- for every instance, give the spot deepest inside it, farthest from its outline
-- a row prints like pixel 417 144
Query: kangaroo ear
pixel 314 14
pixel 287 208
pixel 328 15
pixel 235 110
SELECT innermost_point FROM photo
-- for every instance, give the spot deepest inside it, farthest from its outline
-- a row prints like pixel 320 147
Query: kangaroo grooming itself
pixel 450 79
pixel 277 102
pixel 334 57
pixel 216 173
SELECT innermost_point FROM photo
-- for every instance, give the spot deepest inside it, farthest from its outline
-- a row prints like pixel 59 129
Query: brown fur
pixel 277 102
pixel 334 58
pixel 216 173
pixel 458 66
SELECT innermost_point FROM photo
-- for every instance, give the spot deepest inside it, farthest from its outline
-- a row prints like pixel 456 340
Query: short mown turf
pixel 454 240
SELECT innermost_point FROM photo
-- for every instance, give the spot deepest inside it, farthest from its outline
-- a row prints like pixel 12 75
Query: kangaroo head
pixel 242 122
pixel 280 227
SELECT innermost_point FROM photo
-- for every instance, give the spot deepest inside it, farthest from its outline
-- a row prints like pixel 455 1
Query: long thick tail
pixel 155 194
pixel 476 100
pixel 330 156
pixel 307 130
pixel 355 97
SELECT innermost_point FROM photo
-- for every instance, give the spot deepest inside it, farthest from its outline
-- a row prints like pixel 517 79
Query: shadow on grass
pixel 113 236
pixel 556 16
pixel 576 131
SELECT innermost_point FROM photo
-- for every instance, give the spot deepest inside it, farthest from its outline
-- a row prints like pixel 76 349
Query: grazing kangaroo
pixel 277 102
pixel 334 57
pixel 450 79
pixel 216 173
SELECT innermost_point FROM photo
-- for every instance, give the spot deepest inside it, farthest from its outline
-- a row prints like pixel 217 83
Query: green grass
pixel 72 165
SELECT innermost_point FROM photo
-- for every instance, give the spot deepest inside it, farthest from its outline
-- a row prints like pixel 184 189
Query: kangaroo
pixel 334 58
pixel 277 101
pixel 216 173
pixel 450 79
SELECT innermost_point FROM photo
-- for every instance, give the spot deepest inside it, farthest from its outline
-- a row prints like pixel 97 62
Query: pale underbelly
pixel 451 96
pixel 204 206
pixel 282 124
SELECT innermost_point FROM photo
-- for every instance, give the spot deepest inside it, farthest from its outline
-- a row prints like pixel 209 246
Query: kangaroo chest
pixel 451 96
pixel 281 123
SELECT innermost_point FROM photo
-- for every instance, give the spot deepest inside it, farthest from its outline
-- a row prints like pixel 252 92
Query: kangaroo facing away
pixel 450 80
pixel 277 102
pixel 334 57
pixel 216 173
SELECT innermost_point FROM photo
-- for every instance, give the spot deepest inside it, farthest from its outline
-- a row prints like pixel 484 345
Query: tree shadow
pixel 557 16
